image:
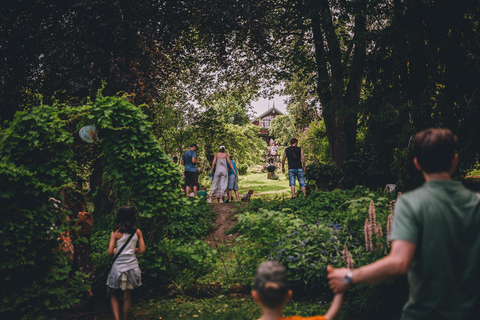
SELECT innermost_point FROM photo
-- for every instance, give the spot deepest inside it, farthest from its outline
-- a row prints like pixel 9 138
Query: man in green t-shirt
pixel 436 239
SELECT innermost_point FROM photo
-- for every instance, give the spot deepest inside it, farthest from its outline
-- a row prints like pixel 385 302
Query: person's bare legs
pixel 195 190
pixel 127 303
pixel 304 189
pixel 292 188
pixel 187 191
pixel 115 305
pixel 229 195
pixel 237 195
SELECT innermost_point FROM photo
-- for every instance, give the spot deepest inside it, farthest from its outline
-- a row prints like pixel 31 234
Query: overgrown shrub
pixel 180 261
pixel 191 222
pixel 307 234
pixel 242 169
pixel 314 143
pixel 34 162
pixel 325 176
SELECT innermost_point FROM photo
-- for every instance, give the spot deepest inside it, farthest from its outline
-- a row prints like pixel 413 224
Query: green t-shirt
pixel 443 219
pixel 202 193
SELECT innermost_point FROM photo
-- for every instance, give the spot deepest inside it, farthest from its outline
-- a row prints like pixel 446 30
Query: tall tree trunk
pixel 338 104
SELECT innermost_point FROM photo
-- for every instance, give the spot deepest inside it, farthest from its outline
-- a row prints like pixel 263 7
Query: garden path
pixel 224 220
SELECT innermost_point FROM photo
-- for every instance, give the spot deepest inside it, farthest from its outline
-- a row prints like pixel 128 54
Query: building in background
pixel 263 122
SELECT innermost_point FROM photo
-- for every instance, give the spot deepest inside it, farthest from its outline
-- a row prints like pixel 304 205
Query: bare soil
pixel 224 220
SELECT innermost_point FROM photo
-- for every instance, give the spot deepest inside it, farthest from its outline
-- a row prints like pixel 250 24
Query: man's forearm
pixel 396 263
pixel 384 269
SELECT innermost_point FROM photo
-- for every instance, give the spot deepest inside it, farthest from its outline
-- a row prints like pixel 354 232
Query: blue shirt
pixel 230 171
pixel 187 161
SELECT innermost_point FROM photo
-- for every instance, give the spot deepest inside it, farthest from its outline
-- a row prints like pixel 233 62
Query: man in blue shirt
pixel 189 160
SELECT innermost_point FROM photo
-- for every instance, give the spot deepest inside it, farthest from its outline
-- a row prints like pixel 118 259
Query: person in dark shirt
pixel 296 166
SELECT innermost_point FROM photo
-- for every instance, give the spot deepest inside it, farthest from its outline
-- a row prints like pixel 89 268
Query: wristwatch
pixel 348 278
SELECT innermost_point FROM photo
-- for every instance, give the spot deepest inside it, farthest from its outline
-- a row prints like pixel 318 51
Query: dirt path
pixel 224 221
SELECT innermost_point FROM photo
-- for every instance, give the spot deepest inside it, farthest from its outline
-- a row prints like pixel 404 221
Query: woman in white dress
pixel 220 179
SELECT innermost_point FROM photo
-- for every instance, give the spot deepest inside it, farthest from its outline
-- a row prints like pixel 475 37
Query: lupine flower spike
pixel 347 257
pixel 368 236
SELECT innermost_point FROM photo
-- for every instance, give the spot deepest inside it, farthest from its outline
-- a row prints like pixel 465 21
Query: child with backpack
pixel 124 274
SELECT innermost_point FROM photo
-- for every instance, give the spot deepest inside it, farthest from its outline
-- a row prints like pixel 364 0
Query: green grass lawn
pixel 221 307
pixel 259 183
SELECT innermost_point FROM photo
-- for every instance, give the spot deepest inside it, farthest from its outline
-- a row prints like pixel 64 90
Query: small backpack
pixel 85 222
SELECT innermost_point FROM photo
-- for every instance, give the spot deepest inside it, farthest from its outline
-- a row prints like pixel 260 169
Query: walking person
pixel 125 274
pixel 189 160
pixel 435 239
pixel 220 179
pixel 296 166
pixel 233 181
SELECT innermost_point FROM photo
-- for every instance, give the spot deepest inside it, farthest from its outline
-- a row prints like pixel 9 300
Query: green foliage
pixel 242 169
pixel 314 143
pixel 254 226
pixel 191 222
pixel 241 141
pixel 283 129
pixel 35 156
pixel 135 162
pixel 181 262
pixel 308 250
pixel 221 307
pixel 307 234
pixel 325 176
pixel 39 142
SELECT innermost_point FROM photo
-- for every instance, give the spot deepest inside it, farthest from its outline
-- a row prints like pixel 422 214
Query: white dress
pixel 125 273
pixel 220 179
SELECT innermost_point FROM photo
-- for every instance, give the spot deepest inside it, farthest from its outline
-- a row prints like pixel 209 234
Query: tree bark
pixel 338 104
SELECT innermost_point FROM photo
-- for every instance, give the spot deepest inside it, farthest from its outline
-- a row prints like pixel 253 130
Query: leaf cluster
pixel 35 161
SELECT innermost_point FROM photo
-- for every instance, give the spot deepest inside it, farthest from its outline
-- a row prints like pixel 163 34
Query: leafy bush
pixel 308 250
pixel 325 176
pixel 192 222
pixel 179 261
pixel 141 173
pixel 314 143
pixel 34 162
pixel 242 169
pixel 365 170
pixel 307 234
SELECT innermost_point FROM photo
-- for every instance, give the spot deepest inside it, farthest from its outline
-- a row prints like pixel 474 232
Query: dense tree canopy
pixel 383 68
pixel 140 47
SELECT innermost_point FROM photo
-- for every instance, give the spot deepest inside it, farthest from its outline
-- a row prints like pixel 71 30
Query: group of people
pixel 435 239
pixel 223 174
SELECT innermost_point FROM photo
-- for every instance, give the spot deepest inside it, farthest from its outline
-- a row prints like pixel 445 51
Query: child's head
pixel 204 188
pixel 271 285
pixel 125 221
pixel 250 191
